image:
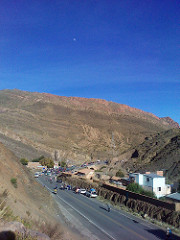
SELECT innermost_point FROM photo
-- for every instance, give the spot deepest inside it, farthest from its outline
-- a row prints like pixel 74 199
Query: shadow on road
pixel 160 234
pixel 104 208
pixel 135 221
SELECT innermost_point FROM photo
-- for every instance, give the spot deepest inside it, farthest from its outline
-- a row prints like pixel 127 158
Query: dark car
pixel 59 180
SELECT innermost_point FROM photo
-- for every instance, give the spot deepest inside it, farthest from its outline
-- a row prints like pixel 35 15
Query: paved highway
pixel 93 215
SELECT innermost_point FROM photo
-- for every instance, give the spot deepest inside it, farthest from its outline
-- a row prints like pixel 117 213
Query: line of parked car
pixel 89 193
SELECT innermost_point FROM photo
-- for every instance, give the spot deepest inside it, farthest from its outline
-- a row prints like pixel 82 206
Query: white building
pixel 154 182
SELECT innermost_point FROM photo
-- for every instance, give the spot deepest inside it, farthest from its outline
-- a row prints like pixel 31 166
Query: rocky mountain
pixel 158 152
pixel 171 122
pixel 77 129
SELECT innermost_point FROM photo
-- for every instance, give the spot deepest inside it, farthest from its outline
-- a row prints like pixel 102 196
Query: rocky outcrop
pixel 158 152
pixel 8 231
pixel 171 122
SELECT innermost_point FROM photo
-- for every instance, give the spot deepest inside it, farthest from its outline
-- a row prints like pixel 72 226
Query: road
pixel 93 215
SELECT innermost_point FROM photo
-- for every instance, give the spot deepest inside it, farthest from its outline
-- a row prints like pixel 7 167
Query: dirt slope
pixel 29 196
pixel 80 129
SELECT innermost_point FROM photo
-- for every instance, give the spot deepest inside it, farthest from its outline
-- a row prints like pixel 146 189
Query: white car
pixel 36 175
pixel 82 190
pixel 91 194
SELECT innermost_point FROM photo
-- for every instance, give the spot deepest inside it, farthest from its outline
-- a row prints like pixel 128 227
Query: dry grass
pixel 5 211
pixel 25 236
pixel 53 230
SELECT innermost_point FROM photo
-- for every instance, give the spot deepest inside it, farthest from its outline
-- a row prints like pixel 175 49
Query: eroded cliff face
pixel 79 129
pixel 158 152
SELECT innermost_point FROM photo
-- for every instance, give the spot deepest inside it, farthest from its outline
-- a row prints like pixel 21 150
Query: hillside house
pixel 152 182
pixel 115 180
pixel 86 173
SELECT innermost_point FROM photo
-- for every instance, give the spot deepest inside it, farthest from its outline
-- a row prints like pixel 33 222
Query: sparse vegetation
pixel 119 173
pixel 54 231
pixel 5 212
pixel 25 236
pixel 135 187
pixel 103 167
pixel 14 182
pixel 38 159
pixel 24 161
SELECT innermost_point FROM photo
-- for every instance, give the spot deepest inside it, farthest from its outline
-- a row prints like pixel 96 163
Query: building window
pixel 159 189
pixel 147 179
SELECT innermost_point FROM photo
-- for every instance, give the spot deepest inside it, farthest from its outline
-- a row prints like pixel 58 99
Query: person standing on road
pixel 108 207
pixel 168 233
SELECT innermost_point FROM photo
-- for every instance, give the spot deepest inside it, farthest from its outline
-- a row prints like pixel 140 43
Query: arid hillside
pixel 78 129
pixel 29 201
pixel 27 197
pixel 158 152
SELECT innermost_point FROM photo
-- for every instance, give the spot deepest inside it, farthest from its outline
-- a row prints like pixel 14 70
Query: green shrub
pixel 135 187
pixel 24 161
pixel 119 173
pixel 14 182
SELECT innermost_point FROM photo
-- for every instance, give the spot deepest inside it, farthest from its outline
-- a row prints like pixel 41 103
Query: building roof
pixel 85 171
pixel 114 178
pixel 153 175
pixel 92 167
pixel 175 196
pixel 66 173
pixel 35 165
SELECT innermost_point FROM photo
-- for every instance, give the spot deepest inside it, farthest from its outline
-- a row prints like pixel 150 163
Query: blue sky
pixel 126 51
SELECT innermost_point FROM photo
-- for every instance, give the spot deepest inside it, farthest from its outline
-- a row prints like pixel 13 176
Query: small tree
pixel 47 162
pixel 119 173
pixel 63 164
pixel 24 161
pixel 50 163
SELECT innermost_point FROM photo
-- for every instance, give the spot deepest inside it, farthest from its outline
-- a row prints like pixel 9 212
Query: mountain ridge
pixel 78 101
pixel 78 128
